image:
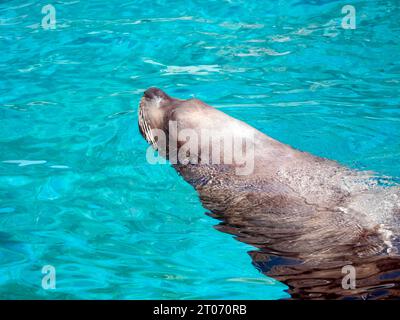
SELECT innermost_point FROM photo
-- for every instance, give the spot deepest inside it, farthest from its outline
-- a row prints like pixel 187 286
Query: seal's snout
pixel 155 93
pixel 151 112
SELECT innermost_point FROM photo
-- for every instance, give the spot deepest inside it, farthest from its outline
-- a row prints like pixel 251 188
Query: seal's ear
pixel 153 93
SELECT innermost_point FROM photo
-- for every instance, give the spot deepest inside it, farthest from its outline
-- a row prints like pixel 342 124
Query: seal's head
pixel 164 121
pixel 153 108
pixel 158 111
pixel 191 130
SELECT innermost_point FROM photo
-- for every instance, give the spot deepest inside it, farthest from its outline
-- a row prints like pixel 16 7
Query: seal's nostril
pixel 152 93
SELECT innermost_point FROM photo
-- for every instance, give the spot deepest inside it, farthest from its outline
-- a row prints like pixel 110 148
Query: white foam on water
pixel 23 163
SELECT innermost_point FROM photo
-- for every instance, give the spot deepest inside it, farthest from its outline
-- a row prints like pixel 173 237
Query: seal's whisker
pixel 144 126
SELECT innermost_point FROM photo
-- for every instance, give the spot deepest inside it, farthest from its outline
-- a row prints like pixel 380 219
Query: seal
pixel 308 217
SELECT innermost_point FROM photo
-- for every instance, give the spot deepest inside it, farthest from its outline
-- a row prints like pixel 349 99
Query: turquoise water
pixel 76 191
